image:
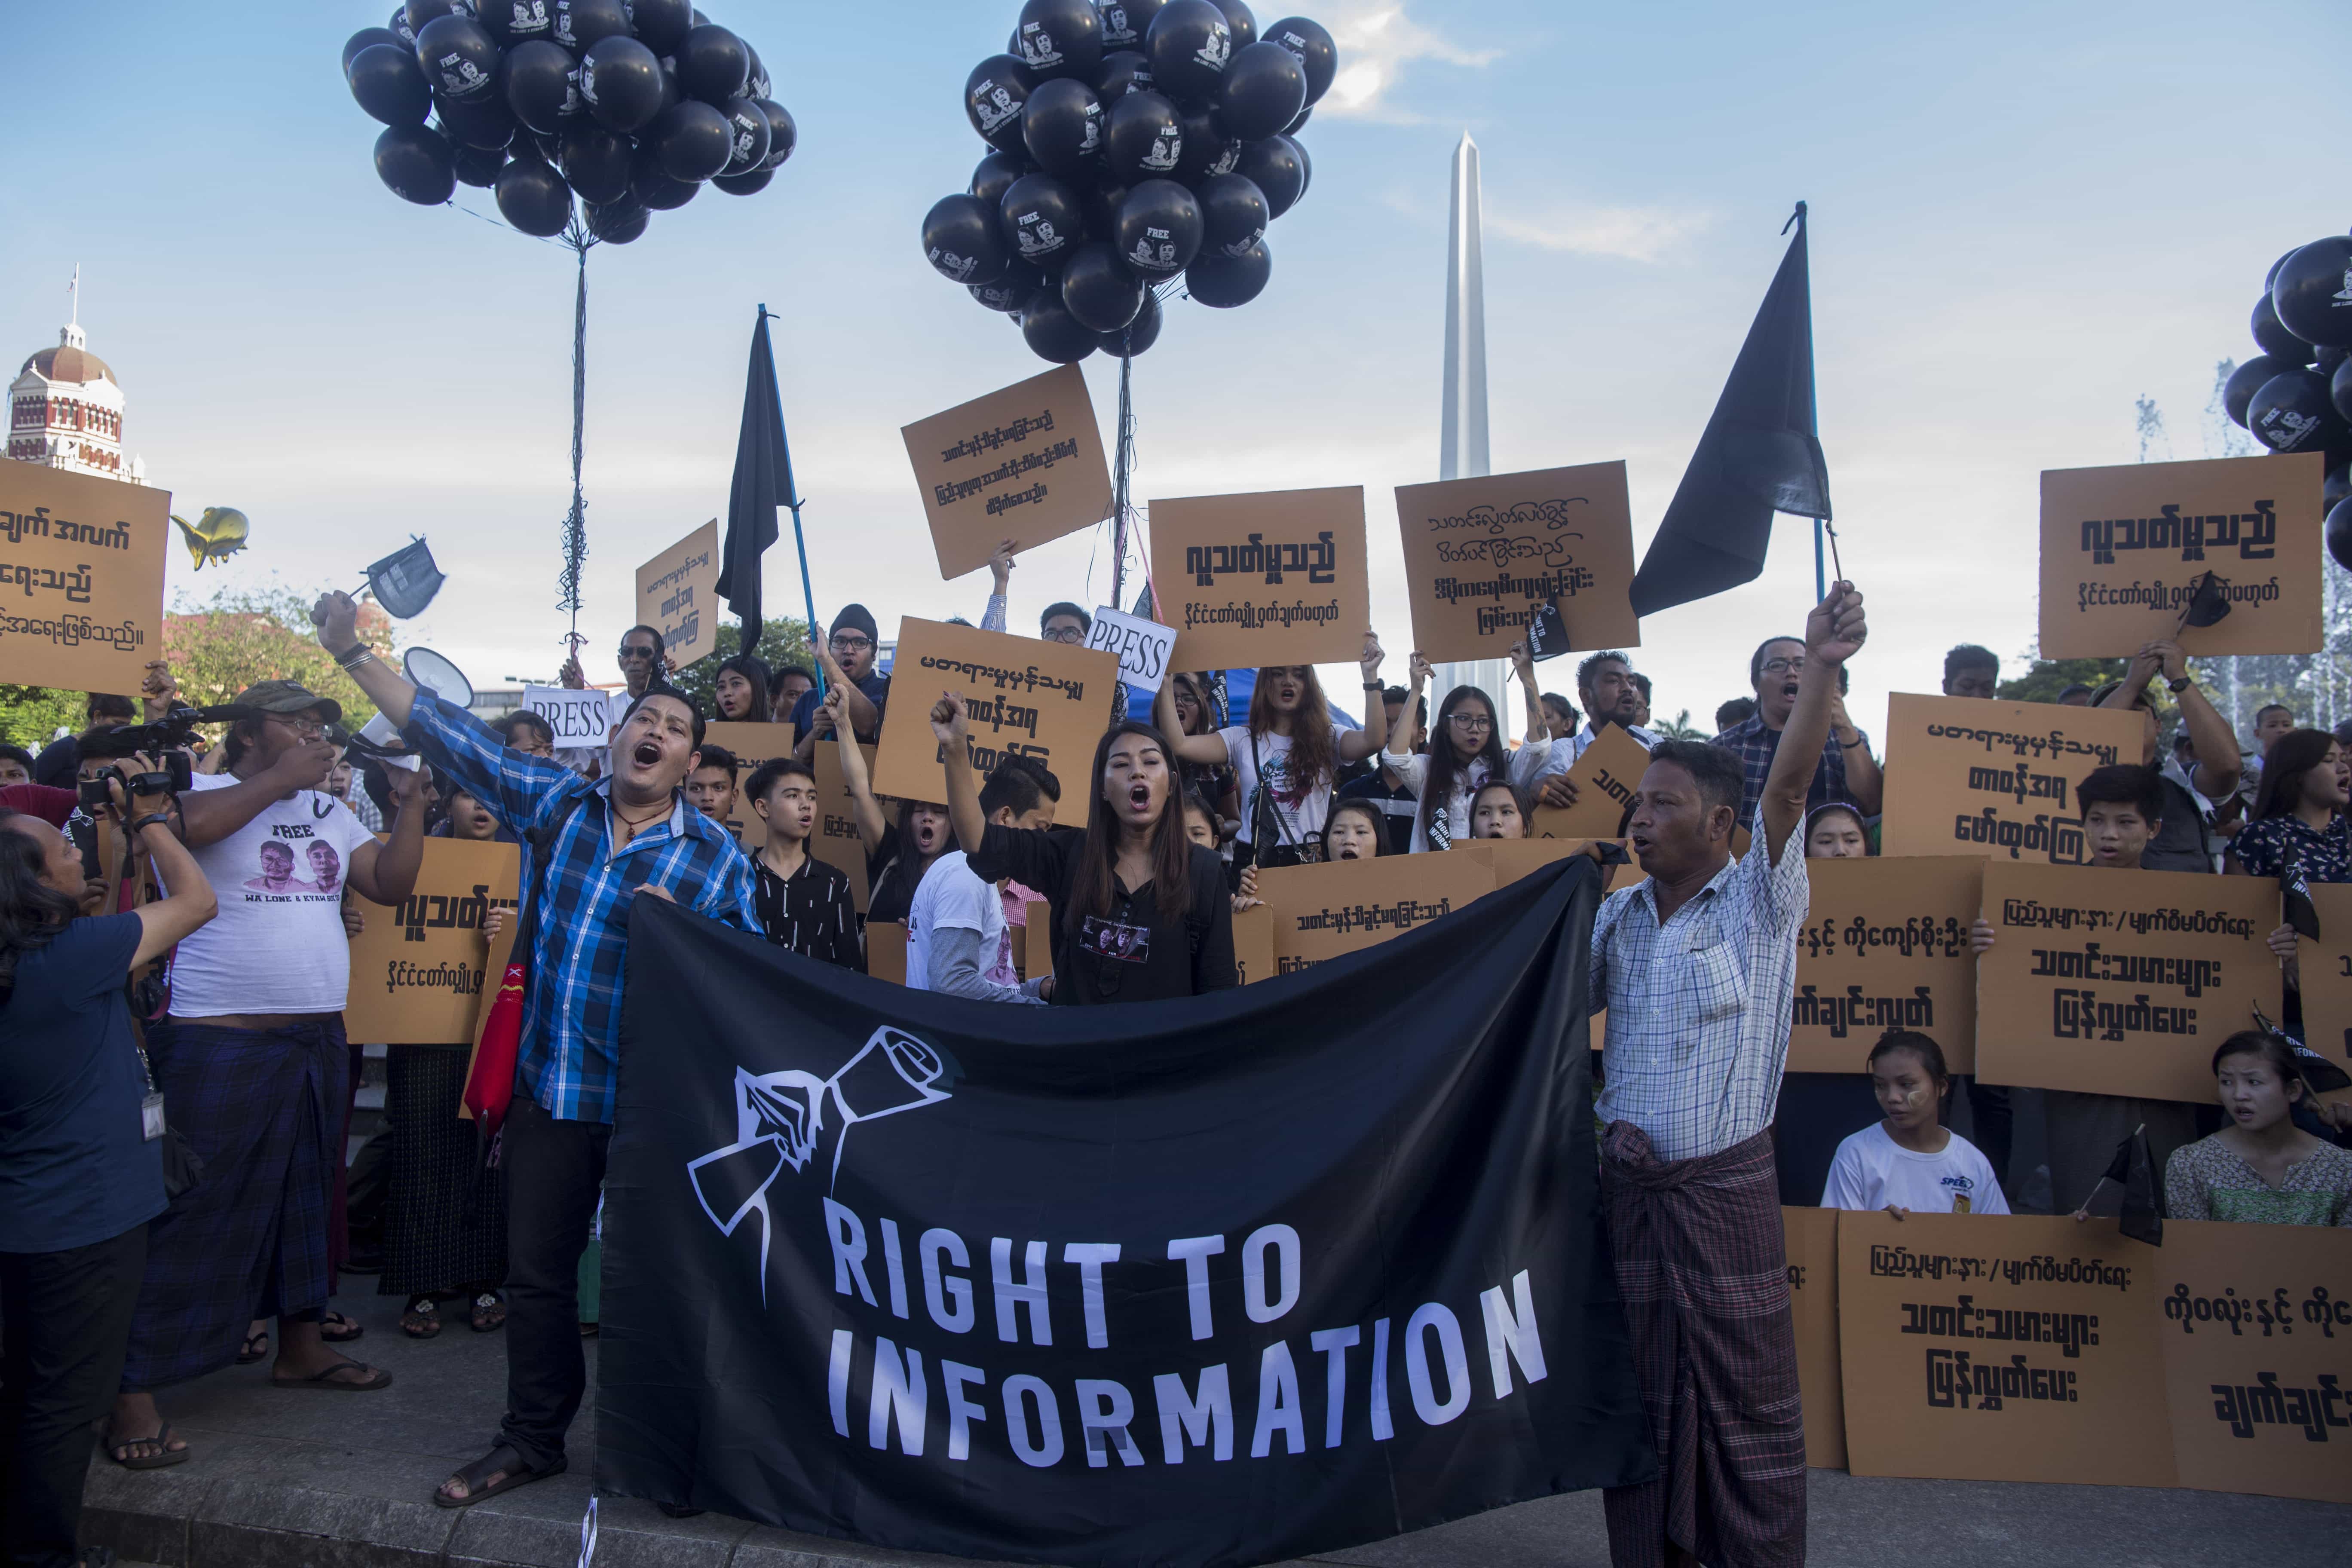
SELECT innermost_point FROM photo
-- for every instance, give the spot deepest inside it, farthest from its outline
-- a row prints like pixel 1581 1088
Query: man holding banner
pixel 1697 967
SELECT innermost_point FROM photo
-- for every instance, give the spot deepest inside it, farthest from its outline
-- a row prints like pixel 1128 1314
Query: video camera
pixel 170 736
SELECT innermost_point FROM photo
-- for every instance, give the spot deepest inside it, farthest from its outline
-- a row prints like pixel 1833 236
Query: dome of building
pixel 65 411
pixel 69 362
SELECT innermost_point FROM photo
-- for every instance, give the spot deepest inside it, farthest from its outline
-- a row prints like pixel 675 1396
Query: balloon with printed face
pixel 1062 127
pixel 1053 333
pixel 597 163
pixel 994 177
pixel 622 81
pixel 962 241
pixel 1145 139
pixel 1120 74
pixel 749 183
pixel 651 186
pixel 2294 413
pixel 1240 21
pixel 1060 38
pixel 2311 293
pixel 713 65
pixel 693 141
pixel 1188 45
pixel 1205 153
pixel 1318 57
pixel 2247 380
pixel 476 166
pixel 1274 165
pixel 459 59
pixel 543 87
pixel 369 37
pixel 1158 231
pixel 2272 338
pixel 422 14
pixel 1138 334
pixel 581 23
pixel 1125 23
pixel 1233 214
pixel 661 25
pixel 994 97
pixel 757 84
pixel 512 22
pixel 414 162
pixel 1040 221
pixel 1224 281
pixel 485 122
pixel 783 136
pixel 747 123
pixel 533 197
pixel 1099 289
pixel 1020 285
pixel 1263 90
pixel 618 223
pixel 388 83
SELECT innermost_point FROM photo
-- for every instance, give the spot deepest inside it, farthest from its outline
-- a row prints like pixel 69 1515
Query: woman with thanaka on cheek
pixel 2262 1168
pixel 1910 1162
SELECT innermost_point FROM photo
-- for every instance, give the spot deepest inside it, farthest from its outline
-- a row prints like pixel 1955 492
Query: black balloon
pixel 1205 153
pixel 1125 22
pixel 1099 290
pixel 1063 128
pixel 1120 74
pixel 597 161
pixel 1053 333
pixel 2336 485
pixel 713 65
pixel 422 14
pixel 1233 214
pixel 651 186
pixel 478 122
pixel 693 141
pixel 581 23
pixel 1040 221
pixel 994 177
pixel 2293 412
pixel 477 166
pixel 2272 276
pixel 757 84
pixel 1138 334
pixel 1306 169
pixel 782 134
pixel 1317 55
pixel 1158 232
pixel 2339 533
pixel 512 22
pixel 618 223
pixel 389 84
pixel 459 57
pixel 751 182
pixel 415 164
pixel 1012 296
pixel 662 25
pixel 1145 139
pixel 962 241
pixel 1189 45
pixel 1240 21
pixel 1263 90
pixel 1295 126
pixel 994 97
pixel 369 37
pixel 747 122
pixel 1225 281
pixel 1275 166
pixel 2247 380
pixel 622 81
pixel 2330 357
pixel 533 197
pixel 542 86
pixel 398 27
pixel 1060 38
pixel 2339 390
pixel 1100 202
pixel 2272 338
pixel 2312 291
pixel 672 95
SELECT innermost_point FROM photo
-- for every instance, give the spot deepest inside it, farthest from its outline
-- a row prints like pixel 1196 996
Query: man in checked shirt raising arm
pixel 1697 967
pixel 588 850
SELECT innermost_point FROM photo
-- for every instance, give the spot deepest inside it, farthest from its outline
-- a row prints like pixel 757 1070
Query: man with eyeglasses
pixel 847 656
pixel 1847 770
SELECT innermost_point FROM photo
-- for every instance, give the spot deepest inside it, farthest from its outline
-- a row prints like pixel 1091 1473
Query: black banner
pixel 1227 1281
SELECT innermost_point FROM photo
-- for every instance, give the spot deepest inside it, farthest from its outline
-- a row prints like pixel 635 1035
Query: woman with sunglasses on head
pixel 1285 758
pixel 1466 751
pixel 1140 912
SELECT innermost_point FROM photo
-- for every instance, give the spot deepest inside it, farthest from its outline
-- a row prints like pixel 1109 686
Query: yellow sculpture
pixel 217 535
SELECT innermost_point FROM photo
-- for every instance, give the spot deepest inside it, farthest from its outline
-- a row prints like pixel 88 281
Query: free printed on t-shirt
pixel 1871 1171
pixel 1300 814
pixel 952 897
pixel 277 945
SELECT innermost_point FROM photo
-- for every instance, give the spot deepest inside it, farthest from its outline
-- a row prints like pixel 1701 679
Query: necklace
pixel 633 824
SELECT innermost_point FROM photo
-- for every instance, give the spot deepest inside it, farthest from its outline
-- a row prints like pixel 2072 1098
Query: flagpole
pixel 1812 391
pixel 793 499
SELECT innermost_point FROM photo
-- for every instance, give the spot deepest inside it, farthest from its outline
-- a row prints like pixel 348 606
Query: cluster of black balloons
pixel 1132 141
pixel 2296 394
pixel 632 105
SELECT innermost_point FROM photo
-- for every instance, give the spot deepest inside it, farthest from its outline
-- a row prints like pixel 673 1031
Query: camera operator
pixel 254 1059
pixel 80 1165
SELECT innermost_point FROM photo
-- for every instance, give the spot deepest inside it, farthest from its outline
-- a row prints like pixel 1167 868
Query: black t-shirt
pixel 1133 953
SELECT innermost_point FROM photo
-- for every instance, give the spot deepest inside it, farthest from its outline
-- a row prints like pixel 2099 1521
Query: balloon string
pixel 1124 462
pixel 576 526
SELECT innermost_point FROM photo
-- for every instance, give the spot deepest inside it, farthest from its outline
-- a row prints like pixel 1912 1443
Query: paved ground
pixel 316 1480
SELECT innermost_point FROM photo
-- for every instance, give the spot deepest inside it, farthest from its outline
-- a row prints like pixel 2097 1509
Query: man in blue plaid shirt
pixel 588 850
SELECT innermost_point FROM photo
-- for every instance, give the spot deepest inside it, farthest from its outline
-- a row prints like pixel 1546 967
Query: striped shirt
pixel 1698 1008
pixel 811 912
pixel 572 1011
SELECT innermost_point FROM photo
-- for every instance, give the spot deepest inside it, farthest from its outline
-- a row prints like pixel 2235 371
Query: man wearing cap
pixel 254 1067
pixel 847 656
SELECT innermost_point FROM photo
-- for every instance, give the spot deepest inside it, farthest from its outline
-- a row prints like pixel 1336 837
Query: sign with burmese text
pixel 1024 464
pixel 1886 946
pixel 751 744
pixel 1605 778
pixel 82 578
pixel 1249 581
pixel 2120 982
pixel 1993 1348
pixel 1967 776
pixel 2326 967
pixel 1483 556
pixel 1025 698
pixel 2124 550
pixel 1812 1242
pixel 957 1280
pixel 418 966
pixel 677 595
pixel 1328 910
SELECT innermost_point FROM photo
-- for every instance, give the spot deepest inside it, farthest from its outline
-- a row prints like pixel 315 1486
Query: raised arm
pixel 954 729
pixel 1399 743
pixel 1000 573
pixel 338 619
pixel 863 805
pixel 1862 779
pixel 1209 747
pixel 168 921
pixel 1834 632
pixel 386 873
pixel 2216 744
pixel 1358 745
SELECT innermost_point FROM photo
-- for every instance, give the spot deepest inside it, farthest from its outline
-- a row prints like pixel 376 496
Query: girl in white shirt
pixel 1911 1160
pixel 1465 750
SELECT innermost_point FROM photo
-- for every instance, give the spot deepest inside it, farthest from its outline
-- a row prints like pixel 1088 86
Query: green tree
pixel 245 636
pixel 2047 678
pixel 31 716
pixel 1680 727
pixel 782 642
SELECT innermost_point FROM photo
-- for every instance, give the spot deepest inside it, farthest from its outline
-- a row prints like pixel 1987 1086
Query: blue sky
pixel 2024 217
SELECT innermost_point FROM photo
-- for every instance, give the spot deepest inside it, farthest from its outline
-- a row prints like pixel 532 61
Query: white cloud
pixel 1631 234
pixel 1376 41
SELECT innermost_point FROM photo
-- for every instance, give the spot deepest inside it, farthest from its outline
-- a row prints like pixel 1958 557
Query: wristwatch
pixel 1375 686
pixel 2182 685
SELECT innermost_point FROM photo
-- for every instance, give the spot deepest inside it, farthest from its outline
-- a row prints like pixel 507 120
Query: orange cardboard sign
pixel 2123 549
pixel 82 578
pixel 1325 912
pixel 1511 858
pixel 1887 947
pixel 1026 698
pixel 836 841
pixel 1483 556
pixel 2326 970
pixel 1253 944
pixel 1024 464
pixel 1992 1348
pixel 886 951
pixel 1812 1244
pixel 752 744
pixel 1967 776
pixel 2120 982
pixel 418 967
pixel 1249 581
pixel 678 594
pixel 1605 778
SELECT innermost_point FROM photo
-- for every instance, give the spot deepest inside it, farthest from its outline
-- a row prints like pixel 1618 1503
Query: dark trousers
pixel 65 1319
pixel 554 1171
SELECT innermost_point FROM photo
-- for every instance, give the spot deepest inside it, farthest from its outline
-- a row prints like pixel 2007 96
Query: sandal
pixel 331 1381
pixel 511 1474
pixel 339 1330
pixel 119 1450
pixel 489 1313
pixel 421 1319
pixel 256 1348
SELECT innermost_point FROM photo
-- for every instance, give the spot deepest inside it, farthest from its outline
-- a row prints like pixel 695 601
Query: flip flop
pixel 165 1453
pixel 422 1319
pixel 256 1348
pixel 488 1314
pixel 327 1382
pixel 518 1474
pixel 339 1330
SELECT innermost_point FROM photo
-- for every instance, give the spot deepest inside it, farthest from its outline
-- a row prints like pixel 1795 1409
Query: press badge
pixel 151 1116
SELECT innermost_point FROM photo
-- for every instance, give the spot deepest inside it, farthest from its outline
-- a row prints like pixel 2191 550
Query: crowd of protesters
pixel 172 1180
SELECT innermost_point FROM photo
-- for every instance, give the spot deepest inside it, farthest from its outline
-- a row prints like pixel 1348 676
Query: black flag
pixel 1758 455
pixel 2207 606
pixel 2133 1169
pixel 1548 633
pixel 763 481
pixel 2301 913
